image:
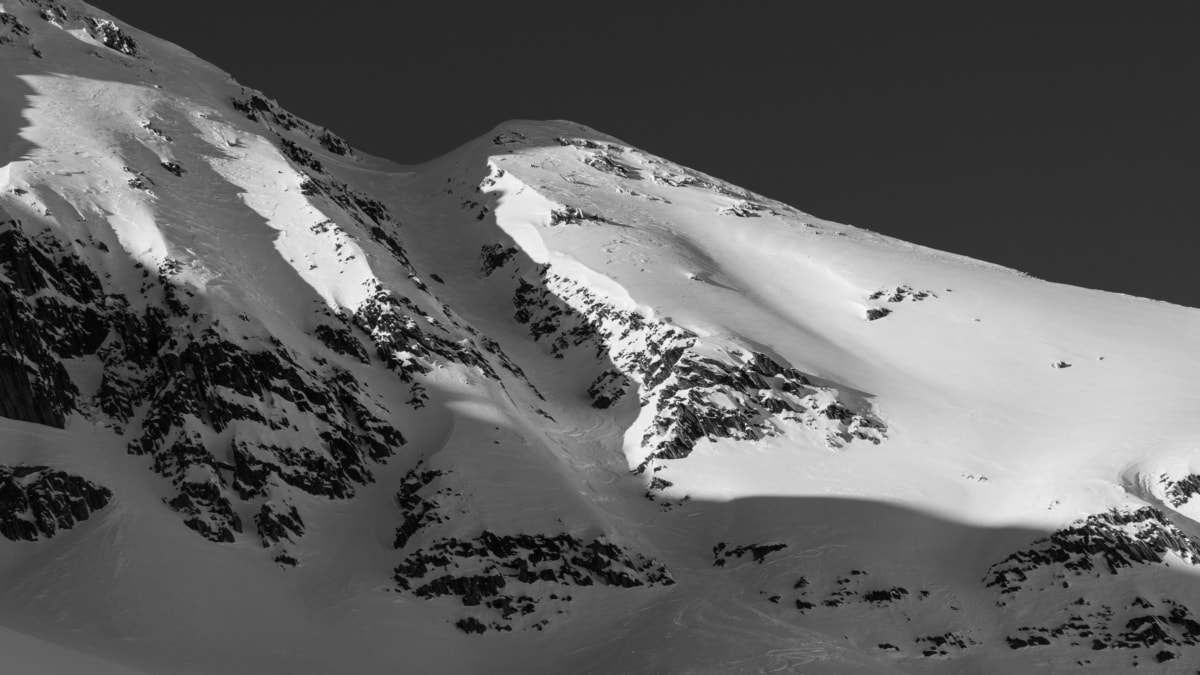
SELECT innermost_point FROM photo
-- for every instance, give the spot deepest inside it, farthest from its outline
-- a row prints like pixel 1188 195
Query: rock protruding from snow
pixel 410 341
pixel 723 552
pixel 258 108
pixel 104 31
pixel 744 209
pixel 901 294
pixel 417 510
pixel 38 502
pixel 494 256
pixel 11 28
pixel 1180 491
pixel 1142 624
pixel 1108 542
pixel 513 574
pixel 1124 546
pixel 213 385
pixel 697 389
pixel 48 299
pixel 897 294
pixel 741 396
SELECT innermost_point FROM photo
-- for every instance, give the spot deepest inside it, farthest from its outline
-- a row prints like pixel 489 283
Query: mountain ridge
pixel 613 413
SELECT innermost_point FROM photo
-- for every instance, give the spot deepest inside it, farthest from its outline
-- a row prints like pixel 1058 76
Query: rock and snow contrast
pixel 547 404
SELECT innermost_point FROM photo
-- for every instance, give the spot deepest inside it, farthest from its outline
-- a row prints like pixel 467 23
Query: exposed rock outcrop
pixel 513 574
pixel 37 502
pixel 1108 542
pixel 48 300
pixel 698 390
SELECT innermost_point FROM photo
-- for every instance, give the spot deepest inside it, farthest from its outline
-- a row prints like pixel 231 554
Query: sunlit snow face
pixel 88 133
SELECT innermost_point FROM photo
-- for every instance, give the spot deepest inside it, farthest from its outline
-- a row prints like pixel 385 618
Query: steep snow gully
pixel 549 403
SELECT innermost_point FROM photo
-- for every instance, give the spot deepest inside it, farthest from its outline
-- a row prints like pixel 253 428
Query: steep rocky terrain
pixel 549 403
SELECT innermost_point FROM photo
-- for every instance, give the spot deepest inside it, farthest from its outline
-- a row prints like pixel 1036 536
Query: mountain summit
pixel 546 404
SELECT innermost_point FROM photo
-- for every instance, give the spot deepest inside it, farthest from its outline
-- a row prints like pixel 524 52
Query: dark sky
pixel 1064 142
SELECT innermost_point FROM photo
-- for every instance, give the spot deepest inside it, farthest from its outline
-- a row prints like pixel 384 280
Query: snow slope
pixel 549 403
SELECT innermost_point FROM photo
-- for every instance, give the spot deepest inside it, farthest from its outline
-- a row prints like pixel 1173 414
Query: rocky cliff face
pixel 48 300
pixel 37 502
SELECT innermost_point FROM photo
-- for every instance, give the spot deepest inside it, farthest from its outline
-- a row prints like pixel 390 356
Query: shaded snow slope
pixel 549 403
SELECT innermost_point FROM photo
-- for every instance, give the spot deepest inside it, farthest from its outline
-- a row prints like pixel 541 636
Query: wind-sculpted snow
pixel 37 502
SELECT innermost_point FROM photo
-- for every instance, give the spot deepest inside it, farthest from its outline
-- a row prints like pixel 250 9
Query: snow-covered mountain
pixel 547 404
